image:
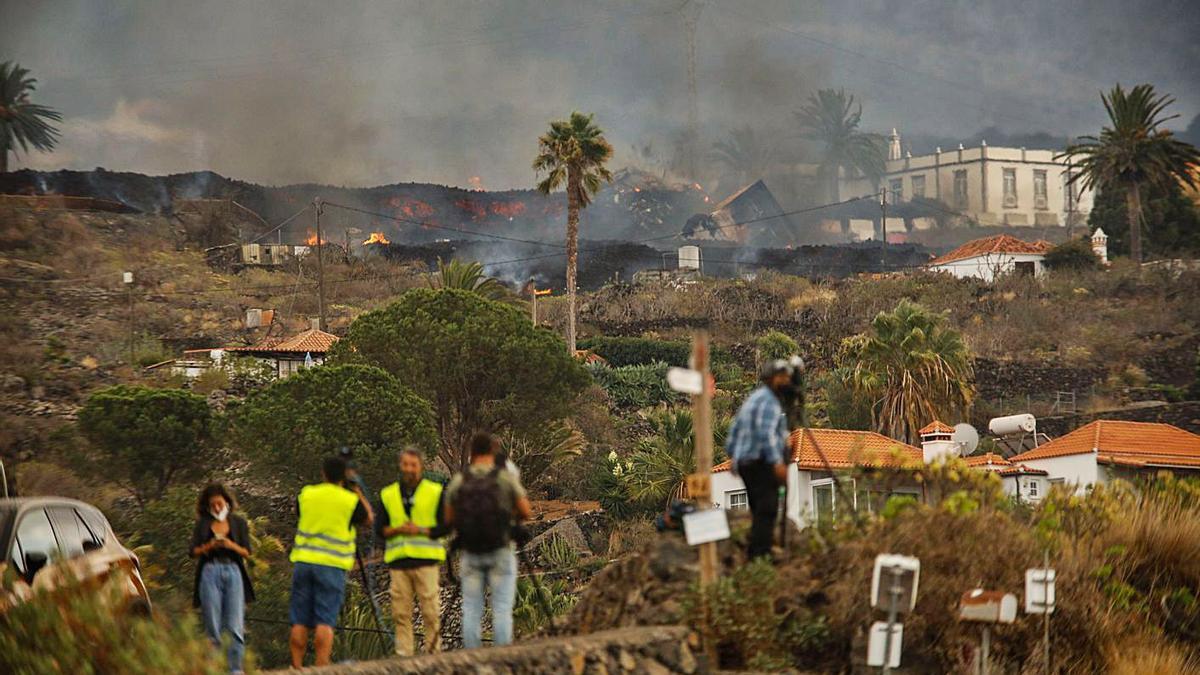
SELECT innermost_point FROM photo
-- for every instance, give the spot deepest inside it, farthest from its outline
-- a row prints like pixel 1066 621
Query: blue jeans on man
pixel 495 571
pixel 223 608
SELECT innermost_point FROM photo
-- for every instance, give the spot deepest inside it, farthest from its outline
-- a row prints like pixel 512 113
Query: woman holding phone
pixel 221 545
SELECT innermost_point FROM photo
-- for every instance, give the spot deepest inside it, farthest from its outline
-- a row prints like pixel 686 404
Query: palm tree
pixel 468 277
pixel 573 153
pixel 831 118
pixel 1133 153
pixel 911 367
pixel 744 153
pixel 21 122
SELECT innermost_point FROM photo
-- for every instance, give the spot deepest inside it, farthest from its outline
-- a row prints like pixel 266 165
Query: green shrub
pixel 633 351
pixel 776 345
pixel 640 386
pixel 73 631
pixel 1076 254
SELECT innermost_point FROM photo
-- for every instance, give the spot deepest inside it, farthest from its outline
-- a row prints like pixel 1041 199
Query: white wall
pixel 988 267
pixel 1078 470
pixel 725 482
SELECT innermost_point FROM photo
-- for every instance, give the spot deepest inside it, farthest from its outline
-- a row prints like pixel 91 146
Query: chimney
pixel 936 442
pixel 254 318
pixel 894 145
pixel 315 323
pixel 1100 245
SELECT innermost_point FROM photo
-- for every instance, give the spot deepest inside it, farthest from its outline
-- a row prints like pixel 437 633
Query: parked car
pixel 50 541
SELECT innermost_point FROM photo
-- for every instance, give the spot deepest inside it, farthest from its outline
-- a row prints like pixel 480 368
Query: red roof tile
pixel 936 427
pixel 310 341
pixel 1127 443
pixel 987 459
pixel 847 449
pixel 1001 243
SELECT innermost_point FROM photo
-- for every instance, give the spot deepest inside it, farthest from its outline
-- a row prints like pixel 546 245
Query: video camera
pixel 352 475
pixel 791 396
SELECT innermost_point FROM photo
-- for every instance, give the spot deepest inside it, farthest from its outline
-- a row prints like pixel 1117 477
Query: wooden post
pixel 700 487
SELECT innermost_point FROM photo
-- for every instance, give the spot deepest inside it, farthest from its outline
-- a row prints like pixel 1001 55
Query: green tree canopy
pixel 1074 254
pixel 1172 220
pixel 291 426
pixel 146 439
pixel 776 344
pixel 480 363
pixel 912 368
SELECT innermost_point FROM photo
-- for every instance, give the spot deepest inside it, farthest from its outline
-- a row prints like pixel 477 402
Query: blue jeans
pixel 223 607
pixel 495 570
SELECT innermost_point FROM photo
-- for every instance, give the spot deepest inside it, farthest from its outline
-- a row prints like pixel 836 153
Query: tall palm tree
pixel 573 153
pixel 831 118
pixel 745 153
pixel 911 367
pixel 1134 153
pixel 23 123
pixel 468 277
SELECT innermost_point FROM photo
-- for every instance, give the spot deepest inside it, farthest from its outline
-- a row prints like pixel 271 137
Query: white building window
pixel 825 500
pixel 1039 189
pixel 737 501
pixel 897 189
pixel 1070 192
pixel 1010 188
pixel 1034 487
pixel 918 186
pixel 960 189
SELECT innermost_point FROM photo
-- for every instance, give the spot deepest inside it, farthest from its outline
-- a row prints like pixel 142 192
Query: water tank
pixel 689 258
pixel 1012 424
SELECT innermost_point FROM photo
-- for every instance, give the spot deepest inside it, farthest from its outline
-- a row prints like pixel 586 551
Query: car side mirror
pixel 34 562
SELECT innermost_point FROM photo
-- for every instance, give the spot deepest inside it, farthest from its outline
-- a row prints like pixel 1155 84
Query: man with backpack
pixel 483 503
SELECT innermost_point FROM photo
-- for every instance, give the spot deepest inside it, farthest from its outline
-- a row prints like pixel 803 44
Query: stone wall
pixel 657 650
pixel 1185 415
pixel 997 380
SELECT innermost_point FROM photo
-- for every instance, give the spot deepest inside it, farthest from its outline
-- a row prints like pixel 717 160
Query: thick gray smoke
pixel 381 91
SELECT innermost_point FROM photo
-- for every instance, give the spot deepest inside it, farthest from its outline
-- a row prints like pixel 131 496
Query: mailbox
pixel 900 570
pixel 988 606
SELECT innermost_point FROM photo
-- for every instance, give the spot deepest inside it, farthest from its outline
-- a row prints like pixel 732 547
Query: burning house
pixel 749 216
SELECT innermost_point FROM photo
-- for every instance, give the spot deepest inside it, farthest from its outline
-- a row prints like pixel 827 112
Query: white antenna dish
pixel 966 438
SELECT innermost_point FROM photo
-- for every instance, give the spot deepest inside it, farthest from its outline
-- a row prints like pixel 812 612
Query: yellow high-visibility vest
pixel 424 514
pixel 324 535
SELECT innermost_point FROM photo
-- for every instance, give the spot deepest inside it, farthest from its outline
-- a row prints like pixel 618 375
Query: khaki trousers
pixel 423 583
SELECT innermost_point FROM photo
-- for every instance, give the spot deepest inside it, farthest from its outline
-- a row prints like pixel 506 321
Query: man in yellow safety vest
pixel 322 553
pixel 411 523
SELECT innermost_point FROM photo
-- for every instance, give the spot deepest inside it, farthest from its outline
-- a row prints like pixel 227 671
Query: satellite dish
pixel 966 438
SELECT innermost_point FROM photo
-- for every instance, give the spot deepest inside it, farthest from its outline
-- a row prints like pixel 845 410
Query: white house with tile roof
pixel 991 257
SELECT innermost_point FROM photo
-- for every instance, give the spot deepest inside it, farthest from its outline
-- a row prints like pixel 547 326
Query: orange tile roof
pixel 1001 243
pixel 1135 444
pixel 310 341
pixel 986 459
pixel 847 449
pixel 1022 470
pixel 936 427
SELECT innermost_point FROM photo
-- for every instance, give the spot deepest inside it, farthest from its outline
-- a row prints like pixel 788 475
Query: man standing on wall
pixel 322 553
pixel 757 447
pixel 411 522
pixel 483 504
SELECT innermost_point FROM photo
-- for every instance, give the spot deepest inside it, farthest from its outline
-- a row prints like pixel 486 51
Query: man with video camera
pixel 758 446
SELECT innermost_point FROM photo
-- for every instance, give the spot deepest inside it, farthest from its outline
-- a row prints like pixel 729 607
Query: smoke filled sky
pixel 368 93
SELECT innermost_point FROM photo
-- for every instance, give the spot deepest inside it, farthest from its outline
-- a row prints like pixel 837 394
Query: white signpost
pixel 702 527
pixel 685 381
pixel 894 586
pixel 1039 599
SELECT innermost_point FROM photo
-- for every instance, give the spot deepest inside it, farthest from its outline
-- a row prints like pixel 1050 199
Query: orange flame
pixel 312 239
pixel 376 238
pixel 476 182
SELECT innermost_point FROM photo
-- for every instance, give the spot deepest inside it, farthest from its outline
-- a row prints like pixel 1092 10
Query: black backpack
pixel 482 522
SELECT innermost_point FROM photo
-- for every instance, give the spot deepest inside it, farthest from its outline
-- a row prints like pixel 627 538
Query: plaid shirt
pixel 759 430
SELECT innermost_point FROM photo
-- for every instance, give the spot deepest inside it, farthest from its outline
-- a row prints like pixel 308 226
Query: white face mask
pixel 222 514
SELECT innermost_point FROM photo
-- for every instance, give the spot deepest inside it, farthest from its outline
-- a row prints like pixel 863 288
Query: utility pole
pixel 1070 188
pixel 883 229
pixel 701 487
pixel 127 277
pixel 317 207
